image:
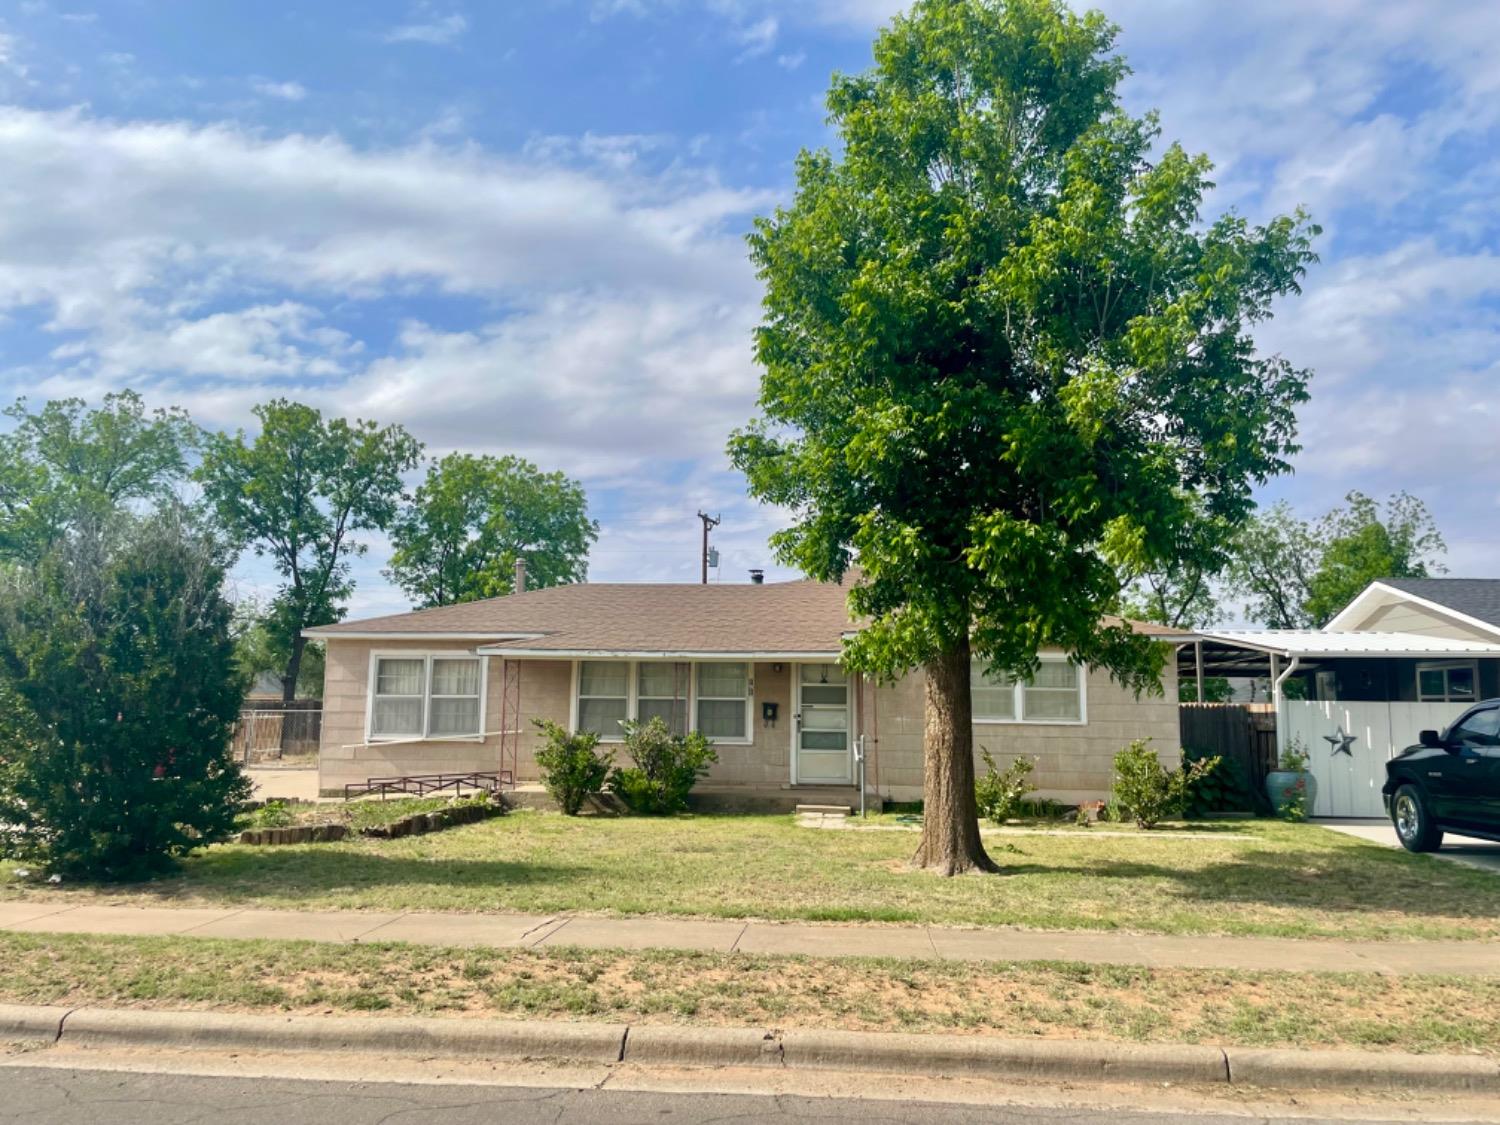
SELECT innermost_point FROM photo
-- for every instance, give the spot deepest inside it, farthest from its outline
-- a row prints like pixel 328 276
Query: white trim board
pixel 318 634
pixel 1339 625
pixel 648 654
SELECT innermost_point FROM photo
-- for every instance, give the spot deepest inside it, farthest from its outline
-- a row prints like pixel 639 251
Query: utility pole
pixel 708 522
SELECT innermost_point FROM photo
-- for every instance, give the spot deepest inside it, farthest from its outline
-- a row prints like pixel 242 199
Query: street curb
pixel 1368 1070
pixel 702 1046
pixel 577 1042
pixel 28 1023
pixel 972 1055
pixel 1065 1060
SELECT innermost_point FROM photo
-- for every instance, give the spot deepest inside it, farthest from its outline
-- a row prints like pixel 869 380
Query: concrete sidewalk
pixel 533 931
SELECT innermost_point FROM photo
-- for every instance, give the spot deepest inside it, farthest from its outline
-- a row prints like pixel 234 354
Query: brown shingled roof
pixel 789 618
pixel 778 617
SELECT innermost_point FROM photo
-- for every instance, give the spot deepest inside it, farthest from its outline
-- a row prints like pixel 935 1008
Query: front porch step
pixel 824 810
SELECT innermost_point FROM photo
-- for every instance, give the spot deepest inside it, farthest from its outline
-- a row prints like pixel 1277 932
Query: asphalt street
pixel 53 1096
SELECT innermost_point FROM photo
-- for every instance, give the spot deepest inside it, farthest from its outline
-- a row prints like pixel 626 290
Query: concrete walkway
pixel 1456 849
pixel 534 931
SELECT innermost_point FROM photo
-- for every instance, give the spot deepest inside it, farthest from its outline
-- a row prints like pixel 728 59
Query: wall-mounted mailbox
pixel 768 712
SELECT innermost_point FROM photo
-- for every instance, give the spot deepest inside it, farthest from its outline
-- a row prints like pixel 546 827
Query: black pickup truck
pixel 1448 782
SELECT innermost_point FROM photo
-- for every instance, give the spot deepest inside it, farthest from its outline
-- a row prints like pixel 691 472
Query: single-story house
pixel 1407 654
pixel 755 666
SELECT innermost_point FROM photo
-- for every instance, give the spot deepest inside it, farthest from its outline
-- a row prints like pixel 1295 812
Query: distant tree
pixel 1294 574
pixel 1362 543
pixel 1180 590
pixel 118 696
pixel 297 494
pixel 260 647
pixel 1004 362
pixel 65 465
pixel 473 517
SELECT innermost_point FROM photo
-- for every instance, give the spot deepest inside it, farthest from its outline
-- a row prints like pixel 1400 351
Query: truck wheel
pixel 1414 825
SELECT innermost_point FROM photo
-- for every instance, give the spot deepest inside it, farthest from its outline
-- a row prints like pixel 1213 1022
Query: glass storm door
pixel 822 738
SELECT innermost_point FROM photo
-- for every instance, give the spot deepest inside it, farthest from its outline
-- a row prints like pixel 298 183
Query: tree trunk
pixel 293 669
pixel 950 817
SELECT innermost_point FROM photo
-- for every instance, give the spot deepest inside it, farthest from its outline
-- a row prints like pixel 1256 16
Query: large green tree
pixel 299 493
pixel 118 696
pixel 1295 574
pixel 473 517
pixel 1004 361
pixel 65 466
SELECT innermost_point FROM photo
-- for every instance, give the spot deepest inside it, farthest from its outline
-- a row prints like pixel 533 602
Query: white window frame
pixel 1018 717
pixel 1445 666
pixel 749 737
pixel 632 699
pixel 427 657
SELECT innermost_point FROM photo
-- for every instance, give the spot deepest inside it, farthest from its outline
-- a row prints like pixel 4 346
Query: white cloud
pixel 758 37
pixel 286 91
pixel 214 267
pixel 430 28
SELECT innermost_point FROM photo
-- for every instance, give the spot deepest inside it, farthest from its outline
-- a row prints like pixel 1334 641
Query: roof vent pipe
pixel 519 585
pixel 757 577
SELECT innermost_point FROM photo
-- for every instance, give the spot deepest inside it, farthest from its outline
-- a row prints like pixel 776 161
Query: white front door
pixel 821 747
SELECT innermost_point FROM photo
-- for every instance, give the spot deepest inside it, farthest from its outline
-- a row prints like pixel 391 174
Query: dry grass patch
pixel 1041 999
pixel 1251 878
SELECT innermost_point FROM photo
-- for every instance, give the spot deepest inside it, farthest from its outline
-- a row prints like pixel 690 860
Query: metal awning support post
pixel 1198 666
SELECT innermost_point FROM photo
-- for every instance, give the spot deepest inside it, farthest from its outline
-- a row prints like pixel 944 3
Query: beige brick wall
pixel 545 690
pixel 1073 762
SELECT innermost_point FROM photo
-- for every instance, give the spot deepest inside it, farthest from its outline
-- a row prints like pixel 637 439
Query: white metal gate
pixel 1348 745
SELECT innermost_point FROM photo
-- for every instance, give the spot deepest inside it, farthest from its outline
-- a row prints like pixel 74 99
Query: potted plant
pixel 1290 787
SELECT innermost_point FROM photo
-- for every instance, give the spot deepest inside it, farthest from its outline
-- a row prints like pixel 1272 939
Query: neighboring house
pixel 755 667
pixel 1407 654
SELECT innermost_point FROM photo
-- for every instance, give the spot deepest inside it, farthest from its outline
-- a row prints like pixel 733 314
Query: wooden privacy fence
pixel 1241 732
pixel 275 731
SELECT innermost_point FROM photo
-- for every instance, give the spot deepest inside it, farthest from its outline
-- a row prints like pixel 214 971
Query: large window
pixel 427 696
pixel 723 700
pixel 612 691
pixel 1447 683
pixel 1053 695
pixel 662 693
pixel 603 697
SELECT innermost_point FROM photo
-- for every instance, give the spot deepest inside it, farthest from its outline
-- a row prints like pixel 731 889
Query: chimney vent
pixel 757 577
pixel 519 586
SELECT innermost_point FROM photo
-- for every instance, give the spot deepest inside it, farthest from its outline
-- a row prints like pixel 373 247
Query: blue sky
pixel 518 227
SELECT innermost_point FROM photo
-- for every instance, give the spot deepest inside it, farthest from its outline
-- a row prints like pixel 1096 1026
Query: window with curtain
pixel 603 697
pixel 723 690
pixel 1053 695
pixel 427 697
pixel 993 695
pixel 661 691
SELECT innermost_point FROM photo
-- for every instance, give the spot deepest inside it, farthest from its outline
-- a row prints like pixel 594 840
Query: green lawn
pixel 1035 999
pixel 1284 879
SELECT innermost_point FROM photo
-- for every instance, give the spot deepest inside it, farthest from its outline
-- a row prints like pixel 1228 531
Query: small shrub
pixel 272 814
pixel 1146 791
pixel 571 765
pixel 667 766
pixel 1001 794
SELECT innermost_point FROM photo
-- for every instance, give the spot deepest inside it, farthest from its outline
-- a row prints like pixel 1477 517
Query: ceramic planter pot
pixel 1282 785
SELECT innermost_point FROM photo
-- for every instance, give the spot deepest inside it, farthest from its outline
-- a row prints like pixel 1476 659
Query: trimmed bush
pixel 1146 791
pixel 572 767
pixel 667 766
pixel 1001 794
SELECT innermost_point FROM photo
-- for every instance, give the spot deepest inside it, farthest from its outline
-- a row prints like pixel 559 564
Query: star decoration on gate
pixel 1340 742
